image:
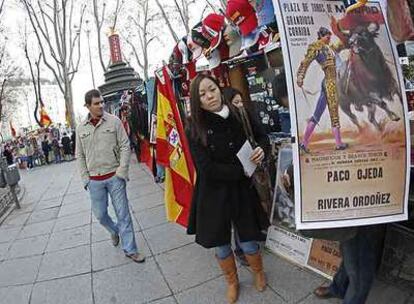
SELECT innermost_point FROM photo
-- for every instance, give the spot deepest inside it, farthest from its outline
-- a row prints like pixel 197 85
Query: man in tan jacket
pixel 103 154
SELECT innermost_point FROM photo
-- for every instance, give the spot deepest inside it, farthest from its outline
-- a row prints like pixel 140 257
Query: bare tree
pixel 58 36
pixel 140 30
pixel 100 16
pixel 167 21
pixel 9 71
pixel 34 69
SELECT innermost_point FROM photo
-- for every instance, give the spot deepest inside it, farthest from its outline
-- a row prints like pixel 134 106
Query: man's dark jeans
pixel 360 259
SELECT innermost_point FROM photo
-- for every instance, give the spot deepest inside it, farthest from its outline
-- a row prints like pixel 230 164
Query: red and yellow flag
pixel 45 120
pixel 173 153
pixel 12 129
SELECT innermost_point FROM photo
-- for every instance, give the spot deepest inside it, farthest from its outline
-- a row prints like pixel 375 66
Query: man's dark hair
pixel 323 31
pixel 91 94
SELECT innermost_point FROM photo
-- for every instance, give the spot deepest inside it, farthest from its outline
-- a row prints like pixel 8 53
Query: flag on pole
pixel 12 129
pixel 45 120
pixel 173 152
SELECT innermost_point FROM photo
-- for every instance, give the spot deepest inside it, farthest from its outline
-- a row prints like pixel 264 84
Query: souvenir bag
pixel 261 178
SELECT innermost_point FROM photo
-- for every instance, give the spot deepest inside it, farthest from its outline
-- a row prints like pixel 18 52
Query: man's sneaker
pixel 136 257
pixel 115 239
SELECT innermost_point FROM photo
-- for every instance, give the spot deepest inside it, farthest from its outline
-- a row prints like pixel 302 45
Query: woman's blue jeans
pixel 250 247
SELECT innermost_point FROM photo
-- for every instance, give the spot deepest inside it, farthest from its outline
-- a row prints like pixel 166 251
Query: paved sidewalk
pixel 53 251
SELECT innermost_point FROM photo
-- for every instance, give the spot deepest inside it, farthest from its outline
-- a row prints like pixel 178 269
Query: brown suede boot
pixel 256 265
pixel 228 266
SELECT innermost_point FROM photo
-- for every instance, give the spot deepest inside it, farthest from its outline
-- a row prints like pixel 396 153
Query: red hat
pixel 211 29
pixel 243 15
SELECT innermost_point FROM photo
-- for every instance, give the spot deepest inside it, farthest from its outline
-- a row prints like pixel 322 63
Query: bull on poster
pixel 348 114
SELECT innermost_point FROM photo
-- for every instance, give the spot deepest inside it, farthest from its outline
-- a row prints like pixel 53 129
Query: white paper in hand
pixel 244 156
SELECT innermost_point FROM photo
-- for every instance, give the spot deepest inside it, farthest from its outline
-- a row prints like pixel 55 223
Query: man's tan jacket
pixel 102 149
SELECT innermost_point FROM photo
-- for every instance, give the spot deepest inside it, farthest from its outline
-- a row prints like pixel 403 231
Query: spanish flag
pixel 173 153
pixel 45 120
pixel 12 129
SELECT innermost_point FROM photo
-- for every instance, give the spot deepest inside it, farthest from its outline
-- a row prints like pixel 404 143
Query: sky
pixel 14 20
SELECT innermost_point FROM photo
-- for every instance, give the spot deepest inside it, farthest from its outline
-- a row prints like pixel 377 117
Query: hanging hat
pixel 194 48
pixel 182 47
pixel 198 37
pixel 243 15
pixel 233 40
pixel 211 29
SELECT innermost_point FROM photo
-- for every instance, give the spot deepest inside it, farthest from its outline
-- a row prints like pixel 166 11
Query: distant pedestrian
pixel 67 148
pixel 46 148
pixel 73 141
pixel 8 154
pixel 56 150
pixel 103 155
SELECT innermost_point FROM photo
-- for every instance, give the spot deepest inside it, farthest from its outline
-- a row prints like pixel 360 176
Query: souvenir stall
pixel 328 168
pixel 126 97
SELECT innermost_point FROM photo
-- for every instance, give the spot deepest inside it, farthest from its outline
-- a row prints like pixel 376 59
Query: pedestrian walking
pixel 73 142
pixel 223 195
pixel 46 148
pixel 361 254
pixel 56 150
pixel 67 148
pixel 103 155
pixel 8 154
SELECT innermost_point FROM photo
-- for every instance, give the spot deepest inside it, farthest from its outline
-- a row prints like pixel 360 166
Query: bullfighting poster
pixel 349 114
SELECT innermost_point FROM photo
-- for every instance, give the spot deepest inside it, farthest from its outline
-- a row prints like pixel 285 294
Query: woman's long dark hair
pixel 197 125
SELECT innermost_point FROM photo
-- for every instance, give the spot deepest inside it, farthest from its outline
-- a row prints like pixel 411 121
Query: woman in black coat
pixel 223 194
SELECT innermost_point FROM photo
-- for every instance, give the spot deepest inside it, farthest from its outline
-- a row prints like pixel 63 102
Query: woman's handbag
pixel 261 178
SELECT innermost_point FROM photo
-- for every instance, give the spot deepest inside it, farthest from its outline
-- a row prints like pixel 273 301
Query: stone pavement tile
pixel 142 191
pixel 312 299
pixel 72 221
pixel 152 217
pixel 188 266
pixel 16 294
pixel 36 229
pixel 214 291
pixel 73 290
pixel 3 250
pixel 169 300
pixel 74 208
pixel 148 201
pixel 76 198
pixel 27 247
pixel 25 207
pixel 105 255
pixel 48 204
pixel 19 271
pixel 15 220
pixel 130 284
pixel 385 293
pixel 99 233
pixel 65 263
pixel 131 185
pixel 6 235
pixel 281 275
pixel 69 238
pixel 166 237
pixel 53 194
pixel 43 215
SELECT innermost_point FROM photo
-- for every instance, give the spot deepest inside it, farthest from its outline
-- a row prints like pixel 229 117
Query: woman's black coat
pixel 223 194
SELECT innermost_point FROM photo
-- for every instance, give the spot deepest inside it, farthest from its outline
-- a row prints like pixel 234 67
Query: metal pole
pixel 14 195
pixel 4 166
